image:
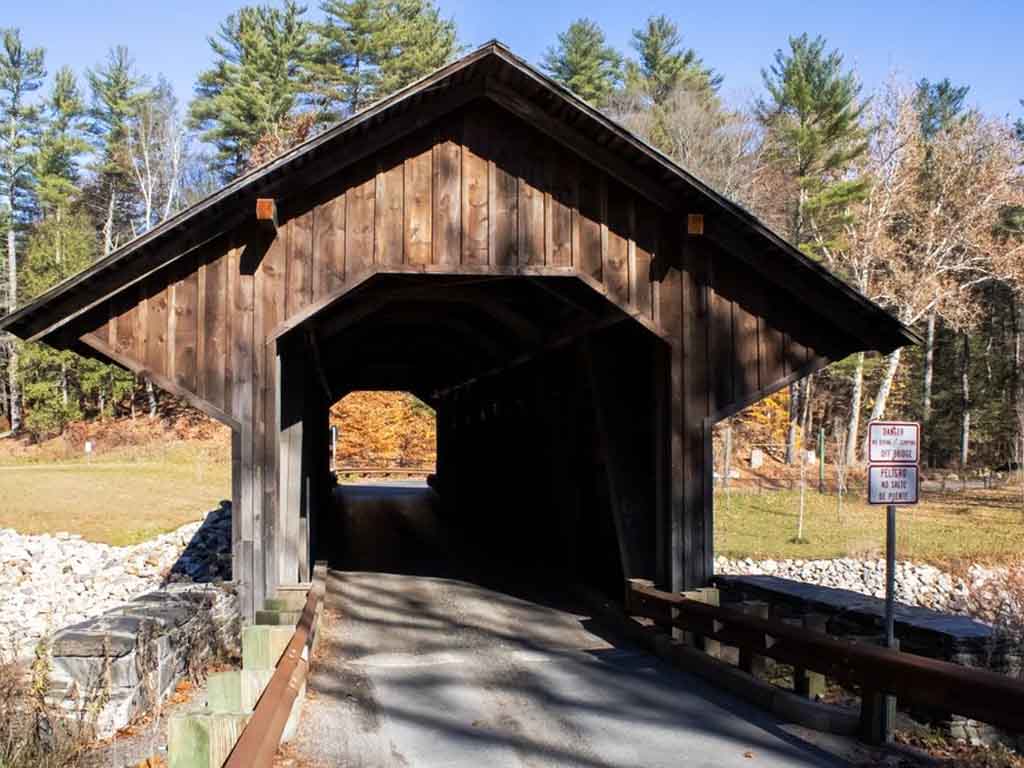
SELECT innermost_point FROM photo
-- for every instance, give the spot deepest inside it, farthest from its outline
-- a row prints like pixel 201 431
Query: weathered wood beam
pixel 205 223
pixel 313 341
pixel 166 384
pixel 266 214
pixel 578 331
pixel 611 468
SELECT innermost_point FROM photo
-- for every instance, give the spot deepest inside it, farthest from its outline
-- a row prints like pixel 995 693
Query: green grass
pixel 122 498
pixel 945 529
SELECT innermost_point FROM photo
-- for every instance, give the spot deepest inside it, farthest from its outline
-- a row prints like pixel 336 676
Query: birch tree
pixel 157 141
pixel 945 239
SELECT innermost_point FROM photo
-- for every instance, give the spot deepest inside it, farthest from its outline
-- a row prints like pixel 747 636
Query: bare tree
pixel 720 146
pixel 866 246
pixel 157 144
pixel 924 236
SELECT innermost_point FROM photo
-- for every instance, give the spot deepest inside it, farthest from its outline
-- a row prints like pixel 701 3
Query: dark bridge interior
pixel 544 393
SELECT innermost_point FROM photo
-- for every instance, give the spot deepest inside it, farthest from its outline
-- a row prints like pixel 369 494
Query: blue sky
pixel 976 42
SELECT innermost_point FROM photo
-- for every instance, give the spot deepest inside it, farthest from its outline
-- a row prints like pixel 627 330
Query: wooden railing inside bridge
pixel 937 686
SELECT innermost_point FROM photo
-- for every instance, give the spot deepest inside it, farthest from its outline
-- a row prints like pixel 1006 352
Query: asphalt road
pixel 422 671
pixel 425 660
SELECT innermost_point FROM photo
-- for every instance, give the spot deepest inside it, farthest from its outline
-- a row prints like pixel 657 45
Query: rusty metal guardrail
pixel 261 736
pixel 936 685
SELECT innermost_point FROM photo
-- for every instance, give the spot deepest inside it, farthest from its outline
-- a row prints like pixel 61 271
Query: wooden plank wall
pixel 479 192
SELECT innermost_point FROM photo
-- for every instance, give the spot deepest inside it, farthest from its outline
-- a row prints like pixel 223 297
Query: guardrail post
pixel 750 662
pixel 807 683
pixel 708 596
pixel 877 714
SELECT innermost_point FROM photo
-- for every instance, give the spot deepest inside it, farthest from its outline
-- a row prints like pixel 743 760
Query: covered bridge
pixel 578 309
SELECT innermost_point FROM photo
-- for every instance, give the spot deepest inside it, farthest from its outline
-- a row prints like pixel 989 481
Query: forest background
pixel 909 192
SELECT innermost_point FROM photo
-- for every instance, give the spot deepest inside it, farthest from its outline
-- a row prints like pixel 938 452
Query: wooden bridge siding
pixel 480 192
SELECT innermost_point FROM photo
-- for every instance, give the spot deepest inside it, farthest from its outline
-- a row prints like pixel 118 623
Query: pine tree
pixel 584 63
pixel 116 90
pixel 665 65
pixel 368 49
pixel 938 104
pixel 62 144
pixel 61 244
pixel 812 117
pixel 21 73
pixel 259 77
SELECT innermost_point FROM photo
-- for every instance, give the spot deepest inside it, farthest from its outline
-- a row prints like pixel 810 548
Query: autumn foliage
pixel 384 429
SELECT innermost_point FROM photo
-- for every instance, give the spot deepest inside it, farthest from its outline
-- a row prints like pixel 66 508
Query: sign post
pixel 893 479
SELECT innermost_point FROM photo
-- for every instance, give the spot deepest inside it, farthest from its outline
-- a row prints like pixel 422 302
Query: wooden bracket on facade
pixel 266 214
pixel 695 224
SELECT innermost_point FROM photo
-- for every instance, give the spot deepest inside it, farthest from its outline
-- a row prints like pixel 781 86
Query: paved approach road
pixel 429 672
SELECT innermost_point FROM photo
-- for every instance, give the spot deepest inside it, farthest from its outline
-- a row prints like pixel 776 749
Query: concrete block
pixel 262 646
pixel 203 739
pixel 286 601
pixel 278 618
pixel 237 690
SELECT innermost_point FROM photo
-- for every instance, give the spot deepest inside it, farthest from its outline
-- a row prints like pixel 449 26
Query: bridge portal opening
pixel 544 396
pixel 382 435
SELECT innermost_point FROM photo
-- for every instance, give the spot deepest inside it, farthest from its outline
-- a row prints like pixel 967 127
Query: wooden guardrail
pixel 929 683
pixel 384 471
pixel 261 736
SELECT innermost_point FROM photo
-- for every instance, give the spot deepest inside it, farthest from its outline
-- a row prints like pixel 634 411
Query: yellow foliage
pixel 384 429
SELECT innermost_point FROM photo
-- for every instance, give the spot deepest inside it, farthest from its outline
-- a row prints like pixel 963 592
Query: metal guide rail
pixel 261 737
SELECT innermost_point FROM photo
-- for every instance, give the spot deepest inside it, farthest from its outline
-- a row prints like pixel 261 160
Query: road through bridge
pixel 448 662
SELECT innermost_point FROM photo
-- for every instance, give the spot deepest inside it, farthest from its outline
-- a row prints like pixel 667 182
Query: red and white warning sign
pixel 893 455
pixel 894 442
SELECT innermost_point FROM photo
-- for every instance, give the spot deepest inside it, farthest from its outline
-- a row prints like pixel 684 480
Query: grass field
pixel 945 529
pixel 126 497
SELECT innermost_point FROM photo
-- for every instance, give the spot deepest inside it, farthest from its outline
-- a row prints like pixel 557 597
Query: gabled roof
pixel 493 72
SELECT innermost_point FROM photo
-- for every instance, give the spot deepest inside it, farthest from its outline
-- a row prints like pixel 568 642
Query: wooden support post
pixel 610 464
pixel 805 682
pixel 877 714
pixel 750 662
pixel 291 417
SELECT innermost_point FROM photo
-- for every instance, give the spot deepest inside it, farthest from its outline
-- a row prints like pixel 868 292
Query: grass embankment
pixel 124 496
pixel 948 529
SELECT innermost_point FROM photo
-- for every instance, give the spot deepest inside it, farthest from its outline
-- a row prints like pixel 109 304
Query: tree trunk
pixel 64 383
pixel 108 227
pixel 806 412
pixel 727 450
pixel 856 397
pixel 13 390
pixel 151 398
pixel 794 421
pixel 929 368
pixel 885 387
pixel 1018 352
pixel 965 401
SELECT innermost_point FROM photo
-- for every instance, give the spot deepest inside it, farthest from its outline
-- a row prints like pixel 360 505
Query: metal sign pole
pixel 890 577
pixel 888 713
